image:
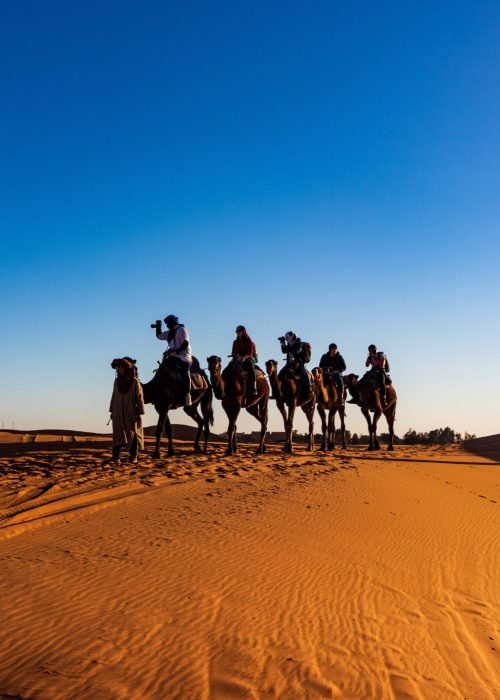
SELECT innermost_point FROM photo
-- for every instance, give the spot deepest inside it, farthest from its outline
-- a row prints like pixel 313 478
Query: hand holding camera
pixel 156 324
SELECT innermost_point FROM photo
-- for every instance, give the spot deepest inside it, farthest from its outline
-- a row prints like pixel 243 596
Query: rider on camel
pixel 293 348
pixel 244 349
pixel 378 363
pixel 333 362
pixel 179 350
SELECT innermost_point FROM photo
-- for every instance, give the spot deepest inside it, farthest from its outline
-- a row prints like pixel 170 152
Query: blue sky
pixel 319 167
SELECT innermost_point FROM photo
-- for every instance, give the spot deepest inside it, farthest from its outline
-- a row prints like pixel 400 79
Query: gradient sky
pixel 330 168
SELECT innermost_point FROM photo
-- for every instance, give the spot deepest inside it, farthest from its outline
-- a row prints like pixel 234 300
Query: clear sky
pixel 330 168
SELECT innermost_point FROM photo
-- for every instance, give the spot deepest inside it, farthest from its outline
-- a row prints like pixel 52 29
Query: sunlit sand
pixel 347 574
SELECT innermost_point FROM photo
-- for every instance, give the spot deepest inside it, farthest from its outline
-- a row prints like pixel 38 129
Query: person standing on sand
pixel 126 408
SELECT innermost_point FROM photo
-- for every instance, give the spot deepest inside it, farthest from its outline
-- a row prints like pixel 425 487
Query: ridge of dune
pixel 346 575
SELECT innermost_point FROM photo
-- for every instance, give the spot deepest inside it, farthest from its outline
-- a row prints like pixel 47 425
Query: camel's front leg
pixel 162 415
pixel 232 445
pixel 322 415
pixel 390 416
pixel 289 428
pixel 331 429
pixel 376 416
pixel 366 414
pixel 310 418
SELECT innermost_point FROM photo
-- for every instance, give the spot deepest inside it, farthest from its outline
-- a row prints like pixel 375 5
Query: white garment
pixel 180 335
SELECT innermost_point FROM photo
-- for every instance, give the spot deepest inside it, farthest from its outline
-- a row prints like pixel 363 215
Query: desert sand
pixel 325 575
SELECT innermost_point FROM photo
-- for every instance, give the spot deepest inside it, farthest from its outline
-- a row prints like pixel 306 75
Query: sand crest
pixel 349 575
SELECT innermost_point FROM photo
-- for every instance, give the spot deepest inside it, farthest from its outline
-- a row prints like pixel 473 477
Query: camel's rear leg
pixel 192 412
pixel 342 426
pixel 309 411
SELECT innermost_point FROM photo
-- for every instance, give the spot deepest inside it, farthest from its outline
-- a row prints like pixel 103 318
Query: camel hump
pixel 259 372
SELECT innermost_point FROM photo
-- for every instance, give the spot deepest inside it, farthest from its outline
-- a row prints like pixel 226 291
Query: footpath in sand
pixel 349 575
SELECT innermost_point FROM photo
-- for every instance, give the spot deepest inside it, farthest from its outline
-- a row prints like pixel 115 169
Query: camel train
pixel 230 386
pixel 179 382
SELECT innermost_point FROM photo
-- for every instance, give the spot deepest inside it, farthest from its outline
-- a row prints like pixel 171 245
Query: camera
pixel 282 339
pixel 156 324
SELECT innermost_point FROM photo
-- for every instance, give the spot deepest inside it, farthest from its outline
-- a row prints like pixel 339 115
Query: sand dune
pixel 488 447
pixel 351 575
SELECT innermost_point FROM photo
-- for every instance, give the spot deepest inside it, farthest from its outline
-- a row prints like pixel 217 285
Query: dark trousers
pixel 133 449
pixel 339 381
pixel 306 382
pixel 183 368
pixel 380 375
pixel 248 366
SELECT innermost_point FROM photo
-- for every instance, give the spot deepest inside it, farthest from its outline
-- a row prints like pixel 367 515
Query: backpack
pixel 387 366
pixel 306 352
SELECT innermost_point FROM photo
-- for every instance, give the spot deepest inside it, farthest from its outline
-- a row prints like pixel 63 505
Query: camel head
pixel 351 380
pixel 317 374
pixel 214 364
pixel 271 367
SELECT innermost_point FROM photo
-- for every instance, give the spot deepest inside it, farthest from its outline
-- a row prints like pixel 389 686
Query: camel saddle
pixel 199 379
pixel 258 374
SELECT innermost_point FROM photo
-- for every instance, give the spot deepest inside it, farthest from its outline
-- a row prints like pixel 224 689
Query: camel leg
pixel 232 445
pixel 366 414
pixel 192 412
pixel 208 416
pixel 162 415
pixel 390 417
pixel 376 416
pixel 170 436
pixel 322 415
pixel 259 412
pixel 331 429
pixel 342 426
pixel 289 428
pixel 310 417
pixel 309 413
pixel 281 409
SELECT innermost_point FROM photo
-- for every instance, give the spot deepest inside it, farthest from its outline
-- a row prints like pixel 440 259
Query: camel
pixel 328 399
pixel 162 391
pixel 367 393
pixel 286 390
pixel 230 386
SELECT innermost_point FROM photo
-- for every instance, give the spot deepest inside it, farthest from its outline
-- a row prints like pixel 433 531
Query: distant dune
pixel 484 447
pixel 181 432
